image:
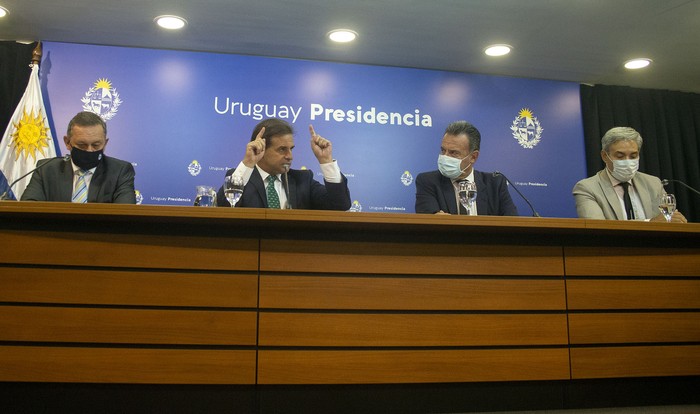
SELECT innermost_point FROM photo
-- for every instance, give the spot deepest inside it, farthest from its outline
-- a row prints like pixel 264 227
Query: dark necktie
pixel 628 201
pixel 273 199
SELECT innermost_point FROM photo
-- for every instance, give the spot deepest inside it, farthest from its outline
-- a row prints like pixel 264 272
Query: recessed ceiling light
pixel 3 12
pixel 342 35
pixel 498 50
pixel 638 63
pixel 170 22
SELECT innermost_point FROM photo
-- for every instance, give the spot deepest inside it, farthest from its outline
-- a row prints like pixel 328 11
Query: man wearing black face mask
pixel 90 176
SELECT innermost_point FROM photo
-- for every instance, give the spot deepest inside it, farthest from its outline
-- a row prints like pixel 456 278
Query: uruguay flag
pixel 27 139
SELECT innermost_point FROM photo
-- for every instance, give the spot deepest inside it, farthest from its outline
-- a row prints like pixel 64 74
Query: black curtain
pixel 14 76
pixel 669 123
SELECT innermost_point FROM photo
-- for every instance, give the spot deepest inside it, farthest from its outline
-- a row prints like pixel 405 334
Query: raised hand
pixel 321 147
pixel 255 150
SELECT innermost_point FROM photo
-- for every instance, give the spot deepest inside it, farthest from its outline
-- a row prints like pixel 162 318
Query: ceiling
pixel 584 41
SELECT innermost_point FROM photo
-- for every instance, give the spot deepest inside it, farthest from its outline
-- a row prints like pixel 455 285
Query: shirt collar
pixel 264 174
pixel 76 168
pixel 614 181
pixel 469 178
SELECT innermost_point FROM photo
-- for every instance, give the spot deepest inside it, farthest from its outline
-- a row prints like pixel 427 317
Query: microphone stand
pixel 5 195
pixel 534 213
pixel 286 189
pixel 666 182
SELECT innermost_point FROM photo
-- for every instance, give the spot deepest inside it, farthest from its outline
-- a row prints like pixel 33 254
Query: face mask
pixel 85 160
pixel 624 170
pixel 449 167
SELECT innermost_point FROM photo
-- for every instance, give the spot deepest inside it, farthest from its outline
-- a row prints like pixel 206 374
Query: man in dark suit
pixel 89 176
pixel 437 191
pixel 269 181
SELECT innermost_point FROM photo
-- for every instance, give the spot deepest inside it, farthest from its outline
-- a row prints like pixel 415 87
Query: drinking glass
pixel 233 188
pixel 467 195
pixel 206 196
pixel 667 205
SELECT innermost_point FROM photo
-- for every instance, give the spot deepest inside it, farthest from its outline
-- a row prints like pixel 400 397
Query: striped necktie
pixel 80 192
pixel 273 199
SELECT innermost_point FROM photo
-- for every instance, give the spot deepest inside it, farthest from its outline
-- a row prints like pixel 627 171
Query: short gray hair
pixel 620 134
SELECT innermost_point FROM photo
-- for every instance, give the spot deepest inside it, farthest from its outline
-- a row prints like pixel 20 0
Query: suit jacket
pixel 435 192
pixel 304 192
pixel 596 198
pixel 112 182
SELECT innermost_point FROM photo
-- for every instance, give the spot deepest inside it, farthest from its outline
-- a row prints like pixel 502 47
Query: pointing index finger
pixel 260 134
pixel 312 131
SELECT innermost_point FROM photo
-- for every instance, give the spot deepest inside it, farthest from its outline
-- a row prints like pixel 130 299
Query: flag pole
pixel 36 54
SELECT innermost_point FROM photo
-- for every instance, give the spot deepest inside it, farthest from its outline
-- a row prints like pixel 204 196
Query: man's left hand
pixel 677 217
pixel 322 148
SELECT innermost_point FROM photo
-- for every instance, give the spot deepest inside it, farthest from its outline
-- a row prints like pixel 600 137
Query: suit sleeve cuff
pixel 331 172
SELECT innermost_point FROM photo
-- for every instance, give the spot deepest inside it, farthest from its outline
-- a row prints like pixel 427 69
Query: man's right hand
pixel 255 150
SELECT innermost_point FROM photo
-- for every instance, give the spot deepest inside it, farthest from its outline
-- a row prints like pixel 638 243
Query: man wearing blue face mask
pixel 620 192
pixel 89 176
pixel 437 192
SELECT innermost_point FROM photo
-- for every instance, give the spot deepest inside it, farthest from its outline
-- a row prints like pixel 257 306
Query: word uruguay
pixel 259 111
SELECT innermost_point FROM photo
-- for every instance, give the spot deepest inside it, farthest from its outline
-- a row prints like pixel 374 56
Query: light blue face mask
pixel 449 167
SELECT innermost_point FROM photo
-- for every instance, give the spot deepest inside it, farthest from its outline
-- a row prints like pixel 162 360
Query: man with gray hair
pixel 619 191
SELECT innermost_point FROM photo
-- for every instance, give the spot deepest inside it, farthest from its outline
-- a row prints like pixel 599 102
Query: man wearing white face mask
pixel 437 191
pixel 620 192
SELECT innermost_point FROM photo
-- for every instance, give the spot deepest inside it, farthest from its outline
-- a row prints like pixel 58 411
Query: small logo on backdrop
pixel 102 99
pixel 194 168
pixel 139 197
pixel 406 178
pixel 526 129
pixel 356 206
pixel 30 135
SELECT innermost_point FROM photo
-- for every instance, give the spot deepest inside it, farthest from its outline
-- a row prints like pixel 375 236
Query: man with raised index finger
pixel 270 182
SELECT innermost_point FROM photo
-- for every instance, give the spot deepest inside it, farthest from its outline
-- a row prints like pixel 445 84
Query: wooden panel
pixel 136 326
pixel 126 365
pixel 106 287
pixel 307 329
pixel 321 292
pixel 608 328
pixel 633 294
pixel 409 258
pixel 129 250
pixel 642 361
pixel 631 261
pixel 411 366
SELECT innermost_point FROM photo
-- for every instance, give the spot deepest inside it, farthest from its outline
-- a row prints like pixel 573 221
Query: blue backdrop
pixel 183 118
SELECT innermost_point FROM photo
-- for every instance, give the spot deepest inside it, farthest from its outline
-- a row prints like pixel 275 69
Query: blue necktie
pixel 273 199
pixel 80 192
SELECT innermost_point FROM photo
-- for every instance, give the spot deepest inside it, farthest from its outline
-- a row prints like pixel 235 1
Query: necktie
pixel 80 192
pixel 627 200
pixel 273 199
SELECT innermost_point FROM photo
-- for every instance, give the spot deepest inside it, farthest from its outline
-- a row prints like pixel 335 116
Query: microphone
pixel 666 182
pixel 5 195
pixel 286 187
pixel 534 213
